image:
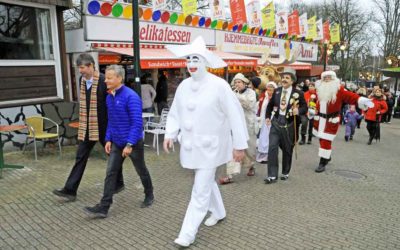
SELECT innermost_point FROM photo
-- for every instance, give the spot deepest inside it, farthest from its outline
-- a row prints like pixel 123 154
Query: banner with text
pixel 335 33
pixel 159 4
pixel 268 16
pixel 320 31
pixel 303 25
pixel 217 9
pixel 254 13
pixel 312 27
pixel 189 6
pixel 238 11
pixel 281 22
pixel 293 22
pixel 327 35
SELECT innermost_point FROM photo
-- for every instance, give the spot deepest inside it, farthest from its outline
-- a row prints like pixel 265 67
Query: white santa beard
pixel 327 91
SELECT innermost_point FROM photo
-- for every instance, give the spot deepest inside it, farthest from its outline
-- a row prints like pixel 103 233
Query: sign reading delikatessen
pixel 256 45
pixel 120 30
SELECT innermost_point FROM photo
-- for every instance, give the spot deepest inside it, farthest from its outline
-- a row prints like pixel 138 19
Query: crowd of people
pixel 216 123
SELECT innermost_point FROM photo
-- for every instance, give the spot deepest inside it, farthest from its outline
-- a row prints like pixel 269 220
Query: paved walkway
pixel 309 211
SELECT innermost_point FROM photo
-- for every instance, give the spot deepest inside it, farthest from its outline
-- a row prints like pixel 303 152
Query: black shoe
pixel 97 211
pixel 148 200
pixel 119 189
pixel 346 138
pixel 370 140
pixel 351 138
pixel 309 139
pixel 284 177
pixel 322 164
pixel 303 140
pixel 65 194
pixel 270 180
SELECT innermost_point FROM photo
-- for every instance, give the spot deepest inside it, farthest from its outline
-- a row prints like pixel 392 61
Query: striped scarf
pixel 83 116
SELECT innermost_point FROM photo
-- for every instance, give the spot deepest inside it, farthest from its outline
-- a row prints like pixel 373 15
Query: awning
pixel 300 65
pixel 162 58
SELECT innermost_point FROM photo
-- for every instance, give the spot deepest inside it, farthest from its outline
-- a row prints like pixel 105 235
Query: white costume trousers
pixel 205 197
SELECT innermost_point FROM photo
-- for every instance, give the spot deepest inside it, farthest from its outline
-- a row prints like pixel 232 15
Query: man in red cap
pixel 331 95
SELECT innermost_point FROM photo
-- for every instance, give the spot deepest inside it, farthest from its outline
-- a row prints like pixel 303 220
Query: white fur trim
pixel 335 120
pixel 328 73
pixel 321 128
pixel 324 153
pixel 316 118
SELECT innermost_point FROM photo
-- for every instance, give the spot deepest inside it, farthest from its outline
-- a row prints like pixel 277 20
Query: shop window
pixel 25 33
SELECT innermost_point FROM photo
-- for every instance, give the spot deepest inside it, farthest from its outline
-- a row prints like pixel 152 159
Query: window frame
pixel 37 62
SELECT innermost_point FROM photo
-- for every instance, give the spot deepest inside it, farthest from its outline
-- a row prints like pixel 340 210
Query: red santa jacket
pixel 379 105
pixel 327 120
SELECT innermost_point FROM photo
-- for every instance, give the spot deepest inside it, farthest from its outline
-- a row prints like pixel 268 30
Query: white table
pixel 147 115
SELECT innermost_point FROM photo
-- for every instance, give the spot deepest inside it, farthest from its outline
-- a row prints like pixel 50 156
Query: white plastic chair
pixel 157 128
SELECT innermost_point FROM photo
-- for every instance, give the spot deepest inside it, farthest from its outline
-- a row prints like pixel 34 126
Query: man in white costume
pixel 209 123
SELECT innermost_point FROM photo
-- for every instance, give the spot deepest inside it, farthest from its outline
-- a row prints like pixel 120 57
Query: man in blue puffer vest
pixel 124 138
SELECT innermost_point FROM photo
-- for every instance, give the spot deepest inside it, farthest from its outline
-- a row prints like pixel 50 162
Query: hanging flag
pixel 320 31
pixel 268 16
pixel 335 33
pixel 293 23
pixel 254 13
pixel 303 23
pixel 327 35
pixel 312 28
pixel 238 11
pixel 217 9
pixel 159 4
pixel 281 22
pixel 189 6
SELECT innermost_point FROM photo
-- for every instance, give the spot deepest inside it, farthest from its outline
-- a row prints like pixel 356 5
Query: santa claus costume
pixel 331 96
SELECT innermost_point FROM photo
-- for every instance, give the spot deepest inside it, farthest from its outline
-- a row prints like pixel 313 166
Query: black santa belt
pixel 327 116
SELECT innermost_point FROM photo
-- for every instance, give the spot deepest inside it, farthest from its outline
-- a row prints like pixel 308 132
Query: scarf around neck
pixel 88 121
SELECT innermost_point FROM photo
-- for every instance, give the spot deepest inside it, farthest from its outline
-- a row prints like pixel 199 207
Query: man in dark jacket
pixel 92 124
pixel 124 138
pixel 161 93
pixel 287 104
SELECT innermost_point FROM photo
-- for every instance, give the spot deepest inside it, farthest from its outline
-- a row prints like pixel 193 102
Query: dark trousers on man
pixel 82 156
pixel 114 167
pixel 280 136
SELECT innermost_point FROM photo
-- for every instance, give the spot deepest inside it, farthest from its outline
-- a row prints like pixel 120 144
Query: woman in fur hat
pixel 373 115
pixel 247 99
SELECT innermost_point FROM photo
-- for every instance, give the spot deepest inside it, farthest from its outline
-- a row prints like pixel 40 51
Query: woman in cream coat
pixel 248 101
pixel 208 121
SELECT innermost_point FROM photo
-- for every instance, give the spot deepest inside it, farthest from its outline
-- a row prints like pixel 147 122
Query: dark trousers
pixel 310 127
pixel 114 166
pixel 373 129
pixel 82 156
pixel 387 116
pixel 304 122
pixel 280 137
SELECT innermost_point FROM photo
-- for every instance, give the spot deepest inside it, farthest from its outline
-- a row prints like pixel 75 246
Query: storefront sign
pixel 255 45
pixel 238 11
pixel 241 43
pixel 109 59
pixel 120 30
pixel 158 64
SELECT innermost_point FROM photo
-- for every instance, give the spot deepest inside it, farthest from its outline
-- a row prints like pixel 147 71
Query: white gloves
pixel 311 113
pixel 365 103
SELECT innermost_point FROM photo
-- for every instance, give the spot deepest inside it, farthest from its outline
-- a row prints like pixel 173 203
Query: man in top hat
pixel 331 95
pixel 207 119
pixel 283 112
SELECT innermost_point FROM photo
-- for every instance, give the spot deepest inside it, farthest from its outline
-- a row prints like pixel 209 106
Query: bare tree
pixel 73 16
pixel 389 23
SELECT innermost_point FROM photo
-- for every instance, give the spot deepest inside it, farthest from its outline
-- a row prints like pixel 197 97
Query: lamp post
pixel 136 46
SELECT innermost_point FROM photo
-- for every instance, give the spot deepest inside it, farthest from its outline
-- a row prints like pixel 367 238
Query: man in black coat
pixel 283 112
pixel 89 132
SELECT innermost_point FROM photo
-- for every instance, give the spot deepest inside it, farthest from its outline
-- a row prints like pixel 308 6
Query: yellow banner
pixel 312 27
pixel 268 16
pixel 335 33
pixel 189 6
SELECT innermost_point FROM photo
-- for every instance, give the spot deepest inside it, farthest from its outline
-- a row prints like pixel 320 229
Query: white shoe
pixel 182 242
pixel 211 221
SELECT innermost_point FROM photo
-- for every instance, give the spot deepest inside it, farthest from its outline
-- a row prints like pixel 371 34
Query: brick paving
pixel 309 211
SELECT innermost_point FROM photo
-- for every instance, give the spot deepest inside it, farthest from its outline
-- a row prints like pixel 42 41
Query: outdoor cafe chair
pixel 157 128
pixel 37 131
